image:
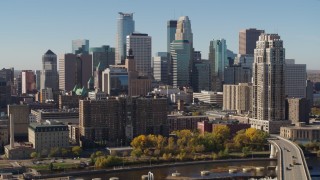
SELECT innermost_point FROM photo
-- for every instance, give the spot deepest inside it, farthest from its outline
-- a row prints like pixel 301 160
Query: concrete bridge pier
pixel 273 151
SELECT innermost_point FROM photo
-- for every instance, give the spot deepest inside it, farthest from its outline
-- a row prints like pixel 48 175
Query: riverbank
pixel 132 168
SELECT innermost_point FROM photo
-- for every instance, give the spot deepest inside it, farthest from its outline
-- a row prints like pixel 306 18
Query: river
pixel 193 171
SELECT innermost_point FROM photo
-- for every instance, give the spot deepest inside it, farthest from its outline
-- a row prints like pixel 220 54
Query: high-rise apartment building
pixel 268 79
pixel 295 80
pixel 20 114
pixel 49 73
pixel 80 46
pixel 238 97
pixel 125 26
pixel 74 70
pixel 118 120
pixel 298 110
pixel 247 40
pixel 140 44
pixel 28 82
pixel 171 32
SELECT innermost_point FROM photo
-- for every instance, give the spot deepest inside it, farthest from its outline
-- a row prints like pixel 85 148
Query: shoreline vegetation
pixel 180 146
pixel 150 166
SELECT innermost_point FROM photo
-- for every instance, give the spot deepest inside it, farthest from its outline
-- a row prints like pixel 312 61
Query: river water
pixel 194 170
pixel 219 169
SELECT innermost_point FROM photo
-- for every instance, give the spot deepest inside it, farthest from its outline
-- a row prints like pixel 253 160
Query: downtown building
pixel 125 26
pixel 160 67
pixel 103 56
pixel 295 79
pixel 116 121
pixel 218 61
pixel 248 39
pixel 28 82
pixel 74 70
pixel 237 98
pixel 268 102
pixel 49 73
pixel 140 44
pixel 181 52
pixel 80 46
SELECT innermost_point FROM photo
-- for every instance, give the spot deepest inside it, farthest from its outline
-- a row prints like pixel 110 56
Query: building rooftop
pixel 49 52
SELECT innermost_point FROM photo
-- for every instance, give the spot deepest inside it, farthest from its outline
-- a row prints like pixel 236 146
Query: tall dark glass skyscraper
pixel 49 73
pixel 125 28
pixel 171 32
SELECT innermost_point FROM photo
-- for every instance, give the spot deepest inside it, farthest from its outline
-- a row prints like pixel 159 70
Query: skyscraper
pixel 105 55
pixel 140 44
pixel 160 67
pixel 180 60
pixel 80 46
pixel 28 81
pixel 247 40
pixel 295 80
pixel 218 59
pixel 181 51
pixel 74 70
pixel 49 73
pixel 201 76
pixel 125 28
pixel 171 32
pixel 268 79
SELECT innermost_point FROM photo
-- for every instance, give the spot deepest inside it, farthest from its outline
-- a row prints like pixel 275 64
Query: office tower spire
pixel 49 73
pixel 183 31
pixel 125 28
pixel 268 78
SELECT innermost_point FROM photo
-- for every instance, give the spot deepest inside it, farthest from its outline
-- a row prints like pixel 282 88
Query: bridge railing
pixel 280 160
pixel 306 169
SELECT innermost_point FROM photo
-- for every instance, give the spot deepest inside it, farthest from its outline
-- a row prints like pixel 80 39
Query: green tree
pixel 76 150
pixel 245 151
pixel 136 152
pixel 55 152
pixel 34 155
pixel 65 152
pixel 50 166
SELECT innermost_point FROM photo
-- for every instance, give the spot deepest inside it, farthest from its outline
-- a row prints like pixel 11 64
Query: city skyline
pixel 34 27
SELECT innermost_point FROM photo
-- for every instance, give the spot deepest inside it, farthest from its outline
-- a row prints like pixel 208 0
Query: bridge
pixel 291 160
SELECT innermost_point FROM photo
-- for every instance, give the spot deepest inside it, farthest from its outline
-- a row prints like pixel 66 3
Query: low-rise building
pixel 180 122
pixel 60 114
pixel 45 136
pixel 209 97
pixel 233 125
pixel 301 132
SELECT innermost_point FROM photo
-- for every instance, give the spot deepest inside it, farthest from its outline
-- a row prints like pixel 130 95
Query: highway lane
pixel 292 164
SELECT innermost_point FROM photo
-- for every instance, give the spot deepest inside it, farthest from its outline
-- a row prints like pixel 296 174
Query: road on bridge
pixel 293 166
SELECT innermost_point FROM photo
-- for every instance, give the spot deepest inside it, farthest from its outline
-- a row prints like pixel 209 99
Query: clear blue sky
pixel 30 27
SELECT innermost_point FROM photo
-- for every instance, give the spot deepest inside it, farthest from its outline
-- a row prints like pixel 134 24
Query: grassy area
pixel 55 166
